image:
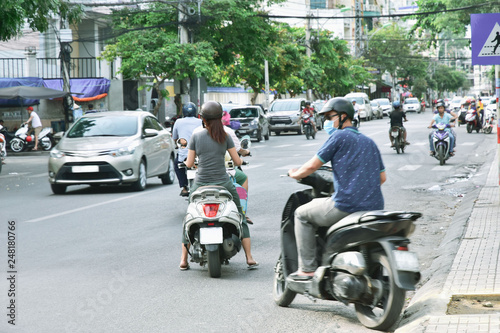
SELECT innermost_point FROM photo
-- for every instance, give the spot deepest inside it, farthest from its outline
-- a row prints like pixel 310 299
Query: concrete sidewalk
pixel 475 269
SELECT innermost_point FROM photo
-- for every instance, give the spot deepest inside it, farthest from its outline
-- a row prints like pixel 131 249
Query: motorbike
pixel 489 122
pixel 23 141
pixel 441 141
pixel 213 225
pixel 356 122
pixel 462 114
pixel 398 139
pixel 307 126
pixel 7 135
pixel 363 259
pixel 473 121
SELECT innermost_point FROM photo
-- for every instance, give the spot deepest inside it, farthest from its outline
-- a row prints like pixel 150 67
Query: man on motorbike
pixel 443 118
pixel 358 173
pixel 210 145
pixel 183 129
pixel 307 110
pixel 397 117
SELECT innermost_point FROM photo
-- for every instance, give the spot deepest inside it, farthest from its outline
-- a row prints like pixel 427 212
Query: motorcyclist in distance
pixel 443 118
pixel 398 116
pixel 182 131
pixel 308 110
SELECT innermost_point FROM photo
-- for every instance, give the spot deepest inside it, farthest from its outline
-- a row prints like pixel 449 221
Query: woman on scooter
pixel 210 145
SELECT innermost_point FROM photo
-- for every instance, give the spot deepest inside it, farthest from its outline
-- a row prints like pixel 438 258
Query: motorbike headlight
pixel 123 151
pixel 54 153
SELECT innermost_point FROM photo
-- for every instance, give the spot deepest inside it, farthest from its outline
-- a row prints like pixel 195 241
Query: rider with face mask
pixel 358 173
pixel 443 118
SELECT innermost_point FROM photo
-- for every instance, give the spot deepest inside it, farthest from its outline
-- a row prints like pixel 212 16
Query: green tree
pixel 448 79
pixel 14 14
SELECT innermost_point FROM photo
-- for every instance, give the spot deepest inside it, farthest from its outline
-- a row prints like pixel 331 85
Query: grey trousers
pixel 319 212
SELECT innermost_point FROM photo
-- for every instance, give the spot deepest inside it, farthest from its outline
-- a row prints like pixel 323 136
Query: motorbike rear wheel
pixel 397 145
pixel 281 294
pixel 440 153
pixel 388 308
pixel 214 264
pixel 46 143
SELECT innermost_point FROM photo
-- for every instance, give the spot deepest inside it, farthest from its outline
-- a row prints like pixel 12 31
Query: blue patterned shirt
pixel 357 165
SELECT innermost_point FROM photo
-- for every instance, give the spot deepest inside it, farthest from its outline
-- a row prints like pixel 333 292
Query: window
pixel 318 4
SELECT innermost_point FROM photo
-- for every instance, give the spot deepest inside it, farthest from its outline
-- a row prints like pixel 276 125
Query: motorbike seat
pixel 215 191
pixel 370 216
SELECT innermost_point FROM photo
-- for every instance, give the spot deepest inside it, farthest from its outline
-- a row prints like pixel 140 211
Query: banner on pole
pixel 485 39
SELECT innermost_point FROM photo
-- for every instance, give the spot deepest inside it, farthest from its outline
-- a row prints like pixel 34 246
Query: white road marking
pixel 288 167
pixel 467 144
pixel 252 166
pixel 372 134
pixel 442 168
pixel 310 144
pixel 409 167
pixel 45 174
pixel 15 174
pixel 283 146
pixel 71 211
pixel 420 143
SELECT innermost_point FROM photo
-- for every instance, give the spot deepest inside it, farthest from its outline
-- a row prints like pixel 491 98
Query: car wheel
pixel 259 136
pixel 169 177
pixel 277 132
pixel 140 183
pixel 58 189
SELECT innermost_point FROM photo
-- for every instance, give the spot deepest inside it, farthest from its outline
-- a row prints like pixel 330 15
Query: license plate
pixel 191 174
pixel 211 235
pixel 395 134
pixel 85 168
pixel 406 261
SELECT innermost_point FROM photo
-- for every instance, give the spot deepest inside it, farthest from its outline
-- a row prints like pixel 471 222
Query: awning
pixel 88 89
pixel 15 82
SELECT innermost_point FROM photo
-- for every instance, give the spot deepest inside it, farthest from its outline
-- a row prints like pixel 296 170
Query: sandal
pixel 184 267
pixel 252 266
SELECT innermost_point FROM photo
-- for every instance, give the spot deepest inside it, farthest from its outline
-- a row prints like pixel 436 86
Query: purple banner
pixel 485 39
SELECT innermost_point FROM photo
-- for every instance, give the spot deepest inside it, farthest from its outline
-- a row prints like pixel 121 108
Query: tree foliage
pixel 14 14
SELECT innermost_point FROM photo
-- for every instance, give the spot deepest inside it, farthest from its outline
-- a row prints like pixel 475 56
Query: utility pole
pixel 65 39
pixel 357 30
pixel 266 81
pixel 183 39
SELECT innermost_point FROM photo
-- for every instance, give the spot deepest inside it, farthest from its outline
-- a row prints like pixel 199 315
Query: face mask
pixel 328 127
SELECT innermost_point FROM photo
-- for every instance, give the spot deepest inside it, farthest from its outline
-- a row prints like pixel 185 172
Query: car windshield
pixel 285 106
pixel 244 113
pixel 383 102
pixel 411 101
pixel 373 103
pixel 104 126
pixel 359 100
pixel 456 100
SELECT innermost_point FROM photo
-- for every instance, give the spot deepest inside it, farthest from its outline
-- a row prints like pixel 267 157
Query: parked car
pixel 317 106
pixel 362 100
pixel 386 105
pixel 284 115
pixel 490 105
pixel 115 147
pixel 252 120
pixel 456 103
pixel 377 110
pixel 412 105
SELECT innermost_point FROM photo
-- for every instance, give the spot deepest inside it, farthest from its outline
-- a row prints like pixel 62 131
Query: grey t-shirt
pixel 211 167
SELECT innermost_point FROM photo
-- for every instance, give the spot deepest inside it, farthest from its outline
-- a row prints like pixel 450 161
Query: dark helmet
pixel 189 110
pixel 440 104
pixel 211 110
pixel 339 104
pixel 440 101
pixel 396 104
pixel 308 103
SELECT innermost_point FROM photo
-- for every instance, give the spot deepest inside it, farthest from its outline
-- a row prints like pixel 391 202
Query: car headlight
pixel 54 153
pixel 254 122
pixel 123 151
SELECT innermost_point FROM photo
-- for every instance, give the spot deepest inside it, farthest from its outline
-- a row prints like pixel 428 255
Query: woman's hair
pixel 216 130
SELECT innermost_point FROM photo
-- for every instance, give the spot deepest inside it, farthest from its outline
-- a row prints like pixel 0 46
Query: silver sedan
pixel 116 147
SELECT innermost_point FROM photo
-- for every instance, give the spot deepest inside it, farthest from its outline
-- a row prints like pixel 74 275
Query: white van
pixel 362 100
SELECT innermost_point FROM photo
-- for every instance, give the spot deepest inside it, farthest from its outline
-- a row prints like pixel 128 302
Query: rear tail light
pixel 210 210
pixel 402 248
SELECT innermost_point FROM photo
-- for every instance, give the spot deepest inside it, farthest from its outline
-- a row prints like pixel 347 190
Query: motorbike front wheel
pixel 214 264
pixel 387 309
pixel 440 152
pixel 469 128
pixel 487 130
pixel 17 145
pixel 307 130
pixel 281 294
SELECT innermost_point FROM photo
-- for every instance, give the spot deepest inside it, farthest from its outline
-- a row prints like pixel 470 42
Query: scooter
pixel 213 225
pixel 23 141
pixel 441 141
pixel 7 135
pixel 307 127
pixel 356 122
pixel 473 121
pixel 489 122
pixel 363 259
pixel 398 139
